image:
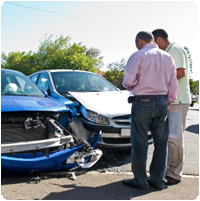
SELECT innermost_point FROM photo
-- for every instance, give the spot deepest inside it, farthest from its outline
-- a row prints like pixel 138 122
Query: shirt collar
pixel 169 47
pixel 150 45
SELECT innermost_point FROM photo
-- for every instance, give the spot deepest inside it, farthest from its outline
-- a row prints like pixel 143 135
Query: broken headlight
pixel 94 117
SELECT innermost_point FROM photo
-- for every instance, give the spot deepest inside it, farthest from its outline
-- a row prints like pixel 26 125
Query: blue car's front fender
pixel 66 102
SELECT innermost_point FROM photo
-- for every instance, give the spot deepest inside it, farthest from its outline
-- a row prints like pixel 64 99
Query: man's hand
pixel 169 104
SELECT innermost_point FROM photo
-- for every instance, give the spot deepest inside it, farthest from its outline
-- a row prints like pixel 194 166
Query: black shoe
pixel 130 182
pixel 171 181
pixel 156 186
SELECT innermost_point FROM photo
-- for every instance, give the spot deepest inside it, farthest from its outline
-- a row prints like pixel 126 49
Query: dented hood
pixel 109 104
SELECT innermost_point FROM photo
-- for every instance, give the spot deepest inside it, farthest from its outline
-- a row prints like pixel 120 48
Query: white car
pixel 95 103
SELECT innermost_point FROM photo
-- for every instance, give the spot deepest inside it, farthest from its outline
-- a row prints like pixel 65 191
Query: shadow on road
pixel 193 129
pixel 113 191
pixel 33 178
pixel 112 158
pixel 193 109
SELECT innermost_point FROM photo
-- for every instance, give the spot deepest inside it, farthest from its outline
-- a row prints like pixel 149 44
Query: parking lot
pixel 103 181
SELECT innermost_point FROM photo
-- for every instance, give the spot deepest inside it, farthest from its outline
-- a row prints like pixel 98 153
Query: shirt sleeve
pixel 130 72
pixel 173 84
pixel 178 57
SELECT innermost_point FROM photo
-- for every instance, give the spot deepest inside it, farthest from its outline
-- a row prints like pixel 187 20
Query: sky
pixel 110 26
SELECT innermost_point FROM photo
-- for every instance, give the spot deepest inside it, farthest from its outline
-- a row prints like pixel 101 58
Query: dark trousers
pixel 149 116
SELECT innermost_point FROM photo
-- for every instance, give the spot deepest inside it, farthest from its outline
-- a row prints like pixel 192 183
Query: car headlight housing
pixel 94 116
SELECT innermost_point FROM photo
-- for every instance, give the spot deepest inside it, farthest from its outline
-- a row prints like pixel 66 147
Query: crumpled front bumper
pixel 65 160
pixel 85 160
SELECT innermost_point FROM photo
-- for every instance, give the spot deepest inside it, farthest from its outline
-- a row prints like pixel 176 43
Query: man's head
pixel 142 38
pixel 161 38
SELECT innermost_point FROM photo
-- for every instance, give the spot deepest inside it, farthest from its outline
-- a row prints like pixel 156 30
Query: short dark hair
pixel 146 36
pixel 160 33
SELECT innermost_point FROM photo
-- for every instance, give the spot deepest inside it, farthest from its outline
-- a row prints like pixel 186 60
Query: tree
pixel 115 74
pixel 19 61
pixel 194 87
pixel 54 54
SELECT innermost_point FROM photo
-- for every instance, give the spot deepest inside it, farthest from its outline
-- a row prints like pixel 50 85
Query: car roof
pixel 10 70
pixel 64 70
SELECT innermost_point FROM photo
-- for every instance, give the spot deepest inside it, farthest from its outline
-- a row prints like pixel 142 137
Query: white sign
pixel 173 120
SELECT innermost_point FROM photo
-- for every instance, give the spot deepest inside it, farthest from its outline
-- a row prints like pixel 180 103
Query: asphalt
pixel 92 186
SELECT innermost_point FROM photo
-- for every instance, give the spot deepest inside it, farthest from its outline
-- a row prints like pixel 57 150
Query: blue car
pixel 34 130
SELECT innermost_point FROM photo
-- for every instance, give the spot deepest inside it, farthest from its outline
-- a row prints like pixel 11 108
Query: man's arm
pixel 179 58
pixel 130 72
pixel 173 84
pixel 180 73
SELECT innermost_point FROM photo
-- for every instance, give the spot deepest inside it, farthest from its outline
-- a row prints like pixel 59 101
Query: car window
pixel 34 78
pixel 16 83
pixel 43 82
pixel 80 82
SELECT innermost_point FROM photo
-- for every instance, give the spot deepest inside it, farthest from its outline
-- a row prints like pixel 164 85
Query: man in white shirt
pixel 176 146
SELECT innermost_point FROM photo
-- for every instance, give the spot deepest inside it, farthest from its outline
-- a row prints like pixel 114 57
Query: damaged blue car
pixel 35 135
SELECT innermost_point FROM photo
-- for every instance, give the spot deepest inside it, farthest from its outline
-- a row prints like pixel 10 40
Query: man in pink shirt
pixel 150 75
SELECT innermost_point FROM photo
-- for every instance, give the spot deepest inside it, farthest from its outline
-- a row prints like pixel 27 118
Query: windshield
pixel 17 84
pixel 80 82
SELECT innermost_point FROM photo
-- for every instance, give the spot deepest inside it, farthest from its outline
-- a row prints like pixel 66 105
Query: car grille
pixel 116 140
pixel 12 133
pixel 19 126
pixel 124 120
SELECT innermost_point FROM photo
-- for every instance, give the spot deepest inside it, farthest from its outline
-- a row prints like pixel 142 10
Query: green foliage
pixel 54 54
pixel 115 74
pixel 194 87
pixel 19 61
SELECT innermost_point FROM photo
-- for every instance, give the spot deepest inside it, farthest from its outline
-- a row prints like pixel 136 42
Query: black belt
pixel 146 98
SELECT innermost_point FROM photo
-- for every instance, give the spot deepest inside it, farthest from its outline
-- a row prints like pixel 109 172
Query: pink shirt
pixel 151 71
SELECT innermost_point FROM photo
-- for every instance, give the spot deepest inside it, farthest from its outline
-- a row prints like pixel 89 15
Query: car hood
pixel 109 104
pixel 27 103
